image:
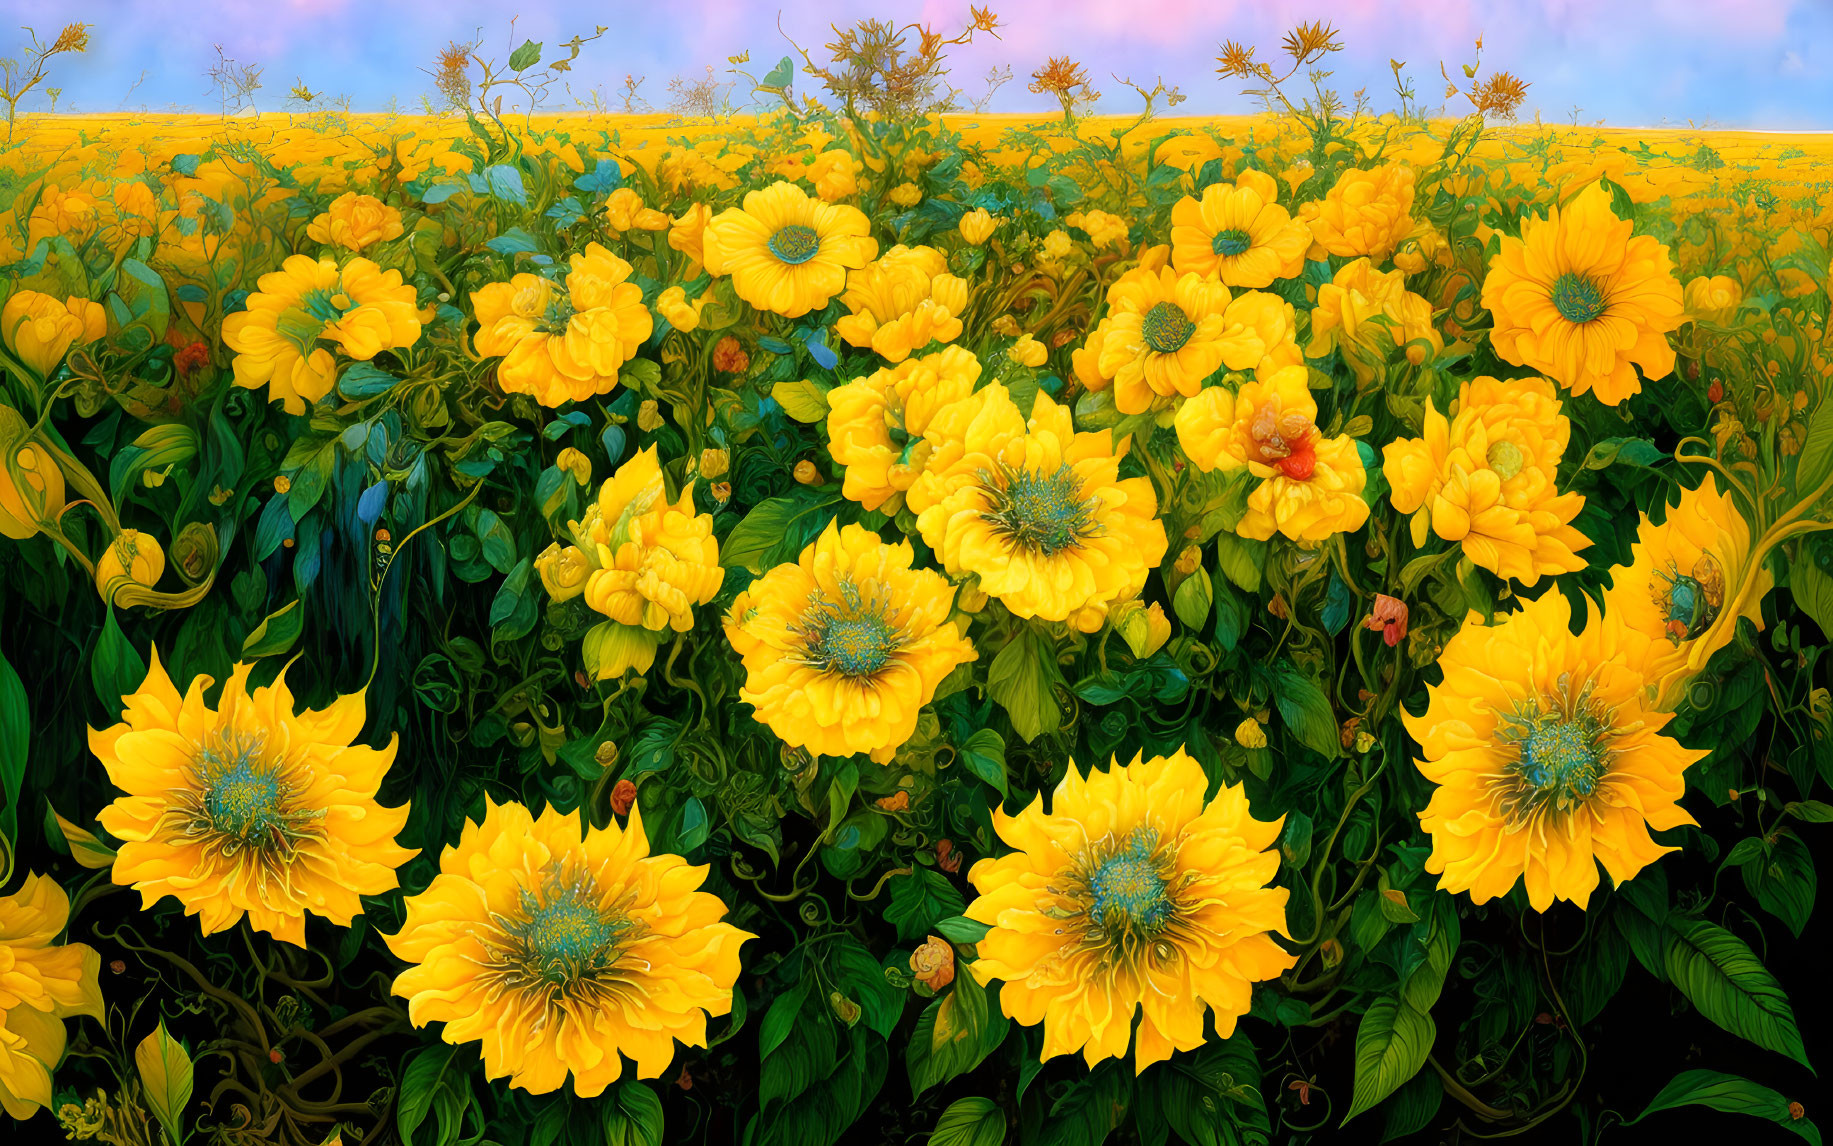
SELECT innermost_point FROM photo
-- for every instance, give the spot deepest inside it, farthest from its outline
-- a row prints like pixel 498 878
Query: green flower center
pixel 795 244
pixel 1231 243
pixel 1561 752
pixel 325 305
pixel 853 636
pixel 1690 602
pixel 1166 327
pixel 1038 511
pixel 242 790
pixel 565 935
pixel 1128 891
pixel 1505 459
pixel 1578 299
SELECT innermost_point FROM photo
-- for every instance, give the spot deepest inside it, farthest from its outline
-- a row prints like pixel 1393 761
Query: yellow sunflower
pixel 563 342
pixel 1038 512
pixel 788 253
pixel 360 307
pixel 1131 894
pixel 1239 234
pixel 1365 314
pixel 1545 759
pixel 844 647
pixel 640 560
pixel 1584 300
pixel 901 302
pixel 1689 580
pixel 1162 337
pixel 563 950
pixel 42 983
pixel 1487 478
pixel 248 809
pixel 1311 486
pixel 1364 213
pixel 875 424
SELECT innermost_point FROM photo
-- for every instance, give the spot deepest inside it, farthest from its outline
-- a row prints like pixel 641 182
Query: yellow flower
pixel 73 214
pixel 31 482
pixel 1366 213
pixel 1545 759
pixel 1163 335
pixel 1249 734
pixel 1057 246
pixel 902 302
pixel 1028 351
pixel 356 221
pixel 248 809
pixel 640 560
pixel 977 226
pixel 844 647
pixel 835 174
pixel 360 307
pixel 563 950
pixel 40 330
pixel 1423 246
pixel 1104 230
pixel 689 234
pixel 1584 301
pixel 1311 487
pixel 1688 581
pixel 875 424
pixel 624 211
pixel 132 558
pixel 44 983
pixel 906 195
pixel 136 207
pixel 564 342
pixel 787 253
pixel 1239 234
pixel 1714 299
pixel 1347 313
pixel 1487 478
pixel 1131 894
pixel 681 314
pixel 1037 511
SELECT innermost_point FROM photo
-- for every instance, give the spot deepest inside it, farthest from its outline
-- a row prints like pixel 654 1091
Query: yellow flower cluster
pixel 1365 314
pixel 902 302
pixel 1366 212
pixel 563 342
pixel 876 424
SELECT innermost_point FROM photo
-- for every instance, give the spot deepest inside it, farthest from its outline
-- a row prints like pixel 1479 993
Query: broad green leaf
pixel 1411 1108
pixel 775 531
pixel 961 929
pixel 1730 986
pixel 780 1019
pixel 1241 559
pixel 633 1116
pixel 1391 1046
pixel 116 668
pixel 1192 600
pixel 165 1080
pixel 953 1034
pixel 1812 583
pixel 1782 878
pixel 853 969
pixel 1816 464
pixel 1305 709
pixel 918 900
pixel 803 400
pixel 1729 1093
pixel 525 57
pixel 984 754
pixel 970 1122
pixel 1023 679
pixel 15 741
pixel 277 632
pixel 431 1077
pixel 1210 1096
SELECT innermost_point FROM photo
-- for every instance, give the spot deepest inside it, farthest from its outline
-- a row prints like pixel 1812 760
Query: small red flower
pixel 190 359
pixel 1715 393
pixel 1389 618
pixel 685 1081
pixel 729 357
pixel 1303 1086
pixel 274 1056
pixel 947 858
pixel 1299 464
pixel 623 795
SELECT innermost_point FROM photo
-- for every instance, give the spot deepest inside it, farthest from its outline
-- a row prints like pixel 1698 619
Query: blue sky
pixel 1733 63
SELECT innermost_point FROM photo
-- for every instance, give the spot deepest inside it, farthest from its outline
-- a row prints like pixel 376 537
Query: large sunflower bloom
pixel 1584 300
pixel 844 646
pixel 561 950
pixel 875 424
pixel 1311 486
pixel 1131 894
pixel 1239 234
pixel 902 302
pixel 1487 478
pixel 1035 510
pixel 1689 580
pixel 42 983
pixel 360 307
pixel 1163 336
pixel 563 342
pixel 788 253
pixel 248 809
pixel 1545 759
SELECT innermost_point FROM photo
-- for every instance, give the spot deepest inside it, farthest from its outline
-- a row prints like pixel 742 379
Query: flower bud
pixel 933 963
pixel 133 557
pixel 1249 734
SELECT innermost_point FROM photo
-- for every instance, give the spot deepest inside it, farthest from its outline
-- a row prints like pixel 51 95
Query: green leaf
pixel 774 532
pixel 431 1077
pixel 144 300
pixel 984 754
pixel 970 1122
pixel 1391 1046
pixel 1730 986
pixel 1729 1093
pixel 1241 559
pixel 633 1117
pixel 961 929
pixel 1088 1110
pixel 1305 709
pixel 1193 598
pixel 1816 464
pixel 918 900
pixel 779 77
pixel 1782 879
pixel 862 979
pixel 801 399
pixel 85 847
pixel 15 742
pixel 1812 585
pixel 1411 1108
pixel 116 668
pixel 1813 811
pixel 165 1080
pixel 779 1019
pixel 1209 1096
pixel 1023 679
pixel 525 57
pixel 277 633
pixel 953 1034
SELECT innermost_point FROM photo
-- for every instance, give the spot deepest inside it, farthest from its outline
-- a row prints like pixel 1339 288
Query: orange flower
pixel 933 963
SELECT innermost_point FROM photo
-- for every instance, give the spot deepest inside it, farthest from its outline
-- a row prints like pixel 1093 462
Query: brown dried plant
pixel 1497 97
pixel 28 71
pixel 874 68
pixel 1065 79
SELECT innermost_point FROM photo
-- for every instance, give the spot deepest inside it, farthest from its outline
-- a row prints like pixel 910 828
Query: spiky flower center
pixel 1690 602
pixel 1231 243
pixel 1043 512
pixel 1578 299
pixel 1128 889
pixel 795 244
pixel 1166 328
pixel 243 799
pixel 1562 750
pixel 853 634
pixel 565 934
pixel 1124 901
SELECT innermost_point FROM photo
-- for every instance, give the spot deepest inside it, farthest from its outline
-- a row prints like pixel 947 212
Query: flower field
pixel 970 629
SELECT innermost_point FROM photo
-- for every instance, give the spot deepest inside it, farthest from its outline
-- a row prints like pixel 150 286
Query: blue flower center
pixel 242 790
pixel 795 244
pixel 1166 327
pixel 1045 512
pixel 1231 243
pixel 1578 299
pixel 853 635
pixel 858 646
pixel 1561 755
pixel 324 305
pixel 1690 602
pixel 566 935
pixel 1129 892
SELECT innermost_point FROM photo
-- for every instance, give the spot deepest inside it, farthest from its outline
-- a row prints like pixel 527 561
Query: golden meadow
pixel 815 626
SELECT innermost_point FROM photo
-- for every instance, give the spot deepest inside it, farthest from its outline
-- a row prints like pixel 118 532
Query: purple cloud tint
pixel 1736 63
